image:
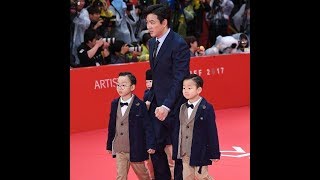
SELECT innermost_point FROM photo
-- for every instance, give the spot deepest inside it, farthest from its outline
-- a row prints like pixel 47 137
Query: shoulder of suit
pixel 205 104
pixel 116 100
pixel 136 99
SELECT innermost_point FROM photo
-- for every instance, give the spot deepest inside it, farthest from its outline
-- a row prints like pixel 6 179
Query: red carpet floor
pixel 90 161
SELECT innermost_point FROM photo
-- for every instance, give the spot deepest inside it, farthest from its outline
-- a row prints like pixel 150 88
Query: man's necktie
pixel 155 49
pixel 122 104
pixel 189 105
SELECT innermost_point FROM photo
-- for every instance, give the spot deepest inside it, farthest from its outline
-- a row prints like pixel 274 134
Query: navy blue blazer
pixel 147 95
pixel 205 142
pixel 141 133
pixel 169 68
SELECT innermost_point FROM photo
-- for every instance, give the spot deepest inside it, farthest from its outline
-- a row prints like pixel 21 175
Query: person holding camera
pixel 106 19
pixel 195 50
pixel 93 51
pixel 120 53
pixel 144 56
pixel 96 21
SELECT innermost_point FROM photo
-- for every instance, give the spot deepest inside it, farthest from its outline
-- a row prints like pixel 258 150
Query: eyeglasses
pixel 122 86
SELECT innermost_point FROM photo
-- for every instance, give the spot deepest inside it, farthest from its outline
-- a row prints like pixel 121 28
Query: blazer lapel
pixel 126 114
pixel 202 106
pixel 163 48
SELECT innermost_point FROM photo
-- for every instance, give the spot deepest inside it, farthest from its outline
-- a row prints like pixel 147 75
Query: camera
pixel 136 48
pixel 108 21
pixel 109 40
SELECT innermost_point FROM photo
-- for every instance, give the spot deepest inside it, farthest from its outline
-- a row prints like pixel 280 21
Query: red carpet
pixel 90 161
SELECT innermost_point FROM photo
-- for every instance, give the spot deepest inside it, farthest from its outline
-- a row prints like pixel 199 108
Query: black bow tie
pixel 122 104
pixel 189 105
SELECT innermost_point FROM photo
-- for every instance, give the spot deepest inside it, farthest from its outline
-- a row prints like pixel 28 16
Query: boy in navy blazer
pixel 130 134
pixel 196 137
pixel 147 93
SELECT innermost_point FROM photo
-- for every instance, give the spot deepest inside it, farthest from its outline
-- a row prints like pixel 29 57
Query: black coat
pixel 141 133
pixel 205 142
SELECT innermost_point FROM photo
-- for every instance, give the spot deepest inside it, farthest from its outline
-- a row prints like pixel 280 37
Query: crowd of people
pixel 106 32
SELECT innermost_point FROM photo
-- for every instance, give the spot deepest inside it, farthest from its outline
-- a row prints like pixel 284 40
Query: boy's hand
pixel 110 152
pixel 148 104
pixel 151 151
pixel 215 160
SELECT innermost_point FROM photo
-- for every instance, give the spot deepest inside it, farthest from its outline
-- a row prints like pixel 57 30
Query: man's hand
pixel 98 24
pixel 161 113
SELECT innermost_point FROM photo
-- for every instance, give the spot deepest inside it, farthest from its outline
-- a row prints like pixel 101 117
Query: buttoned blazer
pixel 141 133
pixel 205 142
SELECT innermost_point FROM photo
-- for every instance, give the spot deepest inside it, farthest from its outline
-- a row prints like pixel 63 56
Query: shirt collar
pixel 196 102
pixel 163 37
pixel 128 101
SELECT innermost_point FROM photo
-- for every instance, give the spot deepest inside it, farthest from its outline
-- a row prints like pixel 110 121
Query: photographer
pixel 144 56
pixel 120 53
pixel 107 18
pixel 93 51
pixel 96 21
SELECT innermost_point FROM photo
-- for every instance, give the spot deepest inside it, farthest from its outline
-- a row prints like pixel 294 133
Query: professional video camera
pixel 135 47
pixel 108 21
pixel 110 40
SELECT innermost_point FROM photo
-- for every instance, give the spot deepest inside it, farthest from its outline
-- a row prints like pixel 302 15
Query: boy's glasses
pixel 122 86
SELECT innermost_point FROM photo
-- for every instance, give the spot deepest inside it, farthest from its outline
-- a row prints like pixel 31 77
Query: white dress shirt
pixel 124 108
pixel 194 105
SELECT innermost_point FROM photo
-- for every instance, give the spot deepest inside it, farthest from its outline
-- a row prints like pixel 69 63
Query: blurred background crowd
pixel 106 32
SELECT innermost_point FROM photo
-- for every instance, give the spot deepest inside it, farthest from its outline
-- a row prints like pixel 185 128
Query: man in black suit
pixel 170 64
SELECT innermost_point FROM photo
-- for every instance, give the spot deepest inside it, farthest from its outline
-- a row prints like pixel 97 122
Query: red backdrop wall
pixel 226 85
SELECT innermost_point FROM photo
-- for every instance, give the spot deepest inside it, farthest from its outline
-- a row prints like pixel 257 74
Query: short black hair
pixel 116 46
pixel 90 34
pixel 97 3
pixel 190 39
pixel 162 11
pixel 132 78
pixel 148 74
pixel 93 10
pixel 145 38
pixel 196 78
